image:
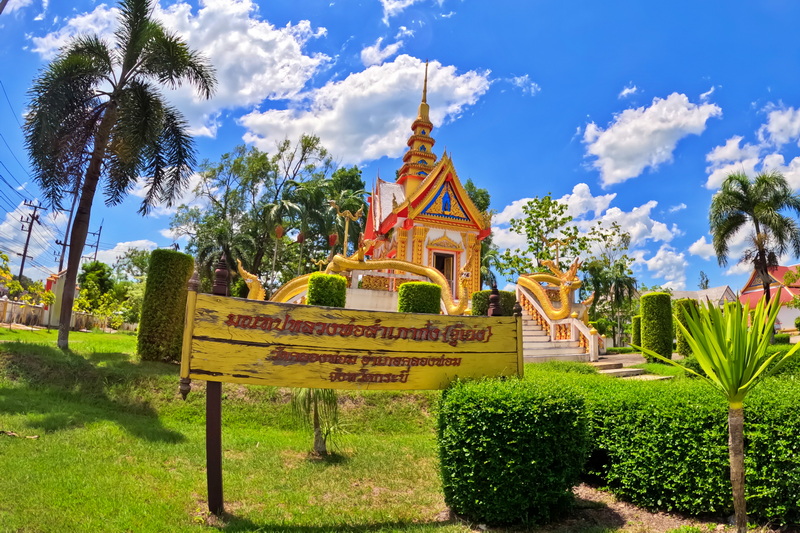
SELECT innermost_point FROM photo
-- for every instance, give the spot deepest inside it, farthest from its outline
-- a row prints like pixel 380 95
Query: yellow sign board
pixel 268 343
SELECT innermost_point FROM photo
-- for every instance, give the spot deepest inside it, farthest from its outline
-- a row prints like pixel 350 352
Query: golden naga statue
pixel 256 291
pixel 340 263
pixel 566 282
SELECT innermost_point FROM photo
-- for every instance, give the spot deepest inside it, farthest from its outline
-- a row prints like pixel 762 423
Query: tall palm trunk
pixel 736 455
pixel 80 226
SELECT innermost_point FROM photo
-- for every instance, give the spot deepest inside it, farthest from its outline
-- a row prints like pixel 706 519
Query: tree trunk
pixel 736 454
pixel 80 226
pixel 319 438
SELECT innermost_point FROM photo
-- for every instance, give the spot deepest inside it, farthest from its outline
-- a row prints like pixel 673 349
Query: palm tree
pixel 756 204
pixel 97 112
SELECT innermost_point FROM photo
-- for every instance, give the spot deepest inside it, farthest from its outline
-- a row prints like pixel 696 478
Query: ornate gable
pixel 445 243
pixel 446 205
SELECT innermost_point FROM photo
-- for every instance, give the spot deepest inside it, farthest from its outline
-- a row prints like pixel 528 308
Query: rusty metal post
pixel 214 414
pixel 494 302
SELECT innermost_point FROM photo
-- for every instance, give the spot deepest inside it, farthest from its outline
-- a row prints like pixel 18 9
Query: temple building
pixel 426 217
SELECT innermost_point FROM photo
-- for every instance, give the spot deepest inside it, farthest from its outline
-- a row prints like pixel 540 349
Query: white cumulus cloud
pixel 669 265
pixel 644 137
pixel 392 8
pixel 524 82
pixel 368 115
pixel 375 55
pixel 782 127
pixel 111 255
pixel 628 91
pixel 702 248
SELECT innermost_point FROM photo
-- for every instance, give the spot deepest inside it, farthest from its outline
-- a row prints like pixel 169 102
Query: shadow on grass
pixel 61 390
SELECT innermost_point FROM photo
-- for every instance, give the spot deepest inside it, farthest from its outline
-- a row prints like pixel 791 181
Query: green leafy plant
pixel 682 308
pixel 419 297
pixel 319 408
pixel 656 309
pixel 164 305
pixel 731 348
pixel 510 451
pixel 636 330
pixel 328 290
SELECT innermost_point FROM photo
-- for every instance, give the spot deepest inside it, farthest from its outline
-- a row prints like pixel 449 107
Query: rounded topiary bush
pixel 328 290
pixel 419 297
pixel 683 306
pixel 657 323
pixel 480 302
pixel 164 306
pixel 510 451
pixel 636 330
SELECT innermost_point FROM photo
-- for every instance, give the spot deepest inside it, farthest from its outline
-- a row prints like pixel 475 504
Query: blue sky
pixel 631 112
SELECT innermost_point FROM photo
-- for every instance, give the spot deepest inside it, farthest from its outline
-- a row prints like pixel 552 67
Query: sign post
pixel 267 343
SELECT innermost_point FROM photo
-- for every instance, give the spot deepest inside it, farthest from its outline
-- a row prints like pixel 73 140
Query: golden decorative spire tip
pixel 425 85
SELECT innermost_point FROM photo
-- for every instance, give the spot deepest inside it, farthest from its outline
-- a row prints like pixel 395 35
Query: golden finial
pixel 425 85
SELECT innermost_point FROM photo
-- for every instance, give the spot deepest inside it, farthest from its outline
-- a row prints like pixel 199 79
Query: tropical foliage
pixel 731 347
pixel 97 118
pixel 756 206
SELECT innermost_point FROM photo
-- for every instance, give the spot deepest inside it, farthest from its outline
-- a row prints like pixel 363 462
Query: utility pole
pixel 96 244
pixel 30 220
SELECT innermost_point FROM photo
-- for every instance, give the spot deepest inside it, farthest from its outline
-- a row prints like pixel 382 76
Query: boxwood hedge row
pixel 510 451
pixel 419 297
pixel 657 323
pixel 663 445
pixel 328 290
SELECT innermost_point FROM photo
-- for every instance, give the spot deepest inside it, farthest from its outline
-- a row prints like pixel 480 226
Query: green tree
pixel 490 253
pixel 756 206
pixel 550 235
pixel 249 194
pixel 98 272
pixel 732 349
pixel 608 274
pixel 133 264
pixel 96 113
pixel 703 283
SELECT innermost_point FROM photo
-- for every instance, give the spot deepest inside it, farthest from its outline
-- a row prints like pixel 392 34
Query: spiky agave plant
pixel 731 347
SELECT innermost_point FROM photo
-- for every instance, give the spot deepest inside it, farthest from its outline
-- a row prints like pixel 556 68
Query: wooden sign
pixel 267 343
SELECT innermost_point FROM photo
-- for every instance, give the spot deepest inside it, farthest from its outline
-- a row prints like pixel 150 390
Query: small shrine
pixel 425 217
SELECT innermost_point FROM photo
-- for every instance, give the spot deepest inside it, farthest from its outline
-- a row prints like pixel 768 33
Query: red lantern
pixel 301 237
pixel 333 238
pixel 279 231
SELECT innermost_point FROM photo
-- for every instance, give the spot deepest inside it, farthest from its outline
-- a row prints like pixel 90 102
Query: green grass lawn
pixel 118 450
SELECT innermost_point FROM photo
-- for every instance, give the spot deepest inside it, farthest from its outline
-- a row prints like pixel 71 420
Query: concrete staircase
pixel 618 370
pixel 538 348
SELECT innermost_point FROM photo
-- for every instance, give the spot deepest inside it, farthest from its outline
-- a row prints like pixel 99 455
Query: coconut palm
pixel 731 348
pixel 96 113
pixel 756 205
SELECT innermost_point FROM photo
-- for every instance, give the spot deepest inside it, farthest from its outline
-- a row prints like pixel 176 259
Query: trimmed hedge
pixel 510 451
pixel 682 346
pixel 636 330
pixel 781 338
pixel 419 297
pixel 164 306
pixel 328 290
pixel 657 324
pixel 621 349
pixel 480 302
pixel 663 445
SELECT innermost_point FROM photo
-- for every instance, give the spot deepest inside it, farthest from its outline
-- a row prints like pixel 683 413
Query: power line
pixel 9 103
pixel 15 158
pixel 13 177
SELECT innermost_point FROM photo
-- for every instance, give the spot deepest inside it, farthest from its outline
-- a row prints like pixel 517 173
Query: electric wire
pixel 9 103
pixel 15 158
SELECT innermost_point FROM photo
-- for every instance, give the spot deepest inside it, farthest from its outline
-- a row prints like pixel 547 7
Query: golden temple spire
pixel 424 108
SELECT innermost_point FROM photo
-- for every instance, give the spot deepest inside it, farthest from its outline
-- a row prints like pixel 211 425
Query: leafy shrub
pixel 328 290
pixel 692 364
pixel 636 330
pixel 781 338
pixel 797 322
pixel 621 349
pixel 419 297
pixel 663 445
pixel 480 302
pixel 510 451
pixel 657 323
pixel 683 306
pixel 164 305
pixel 568 366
